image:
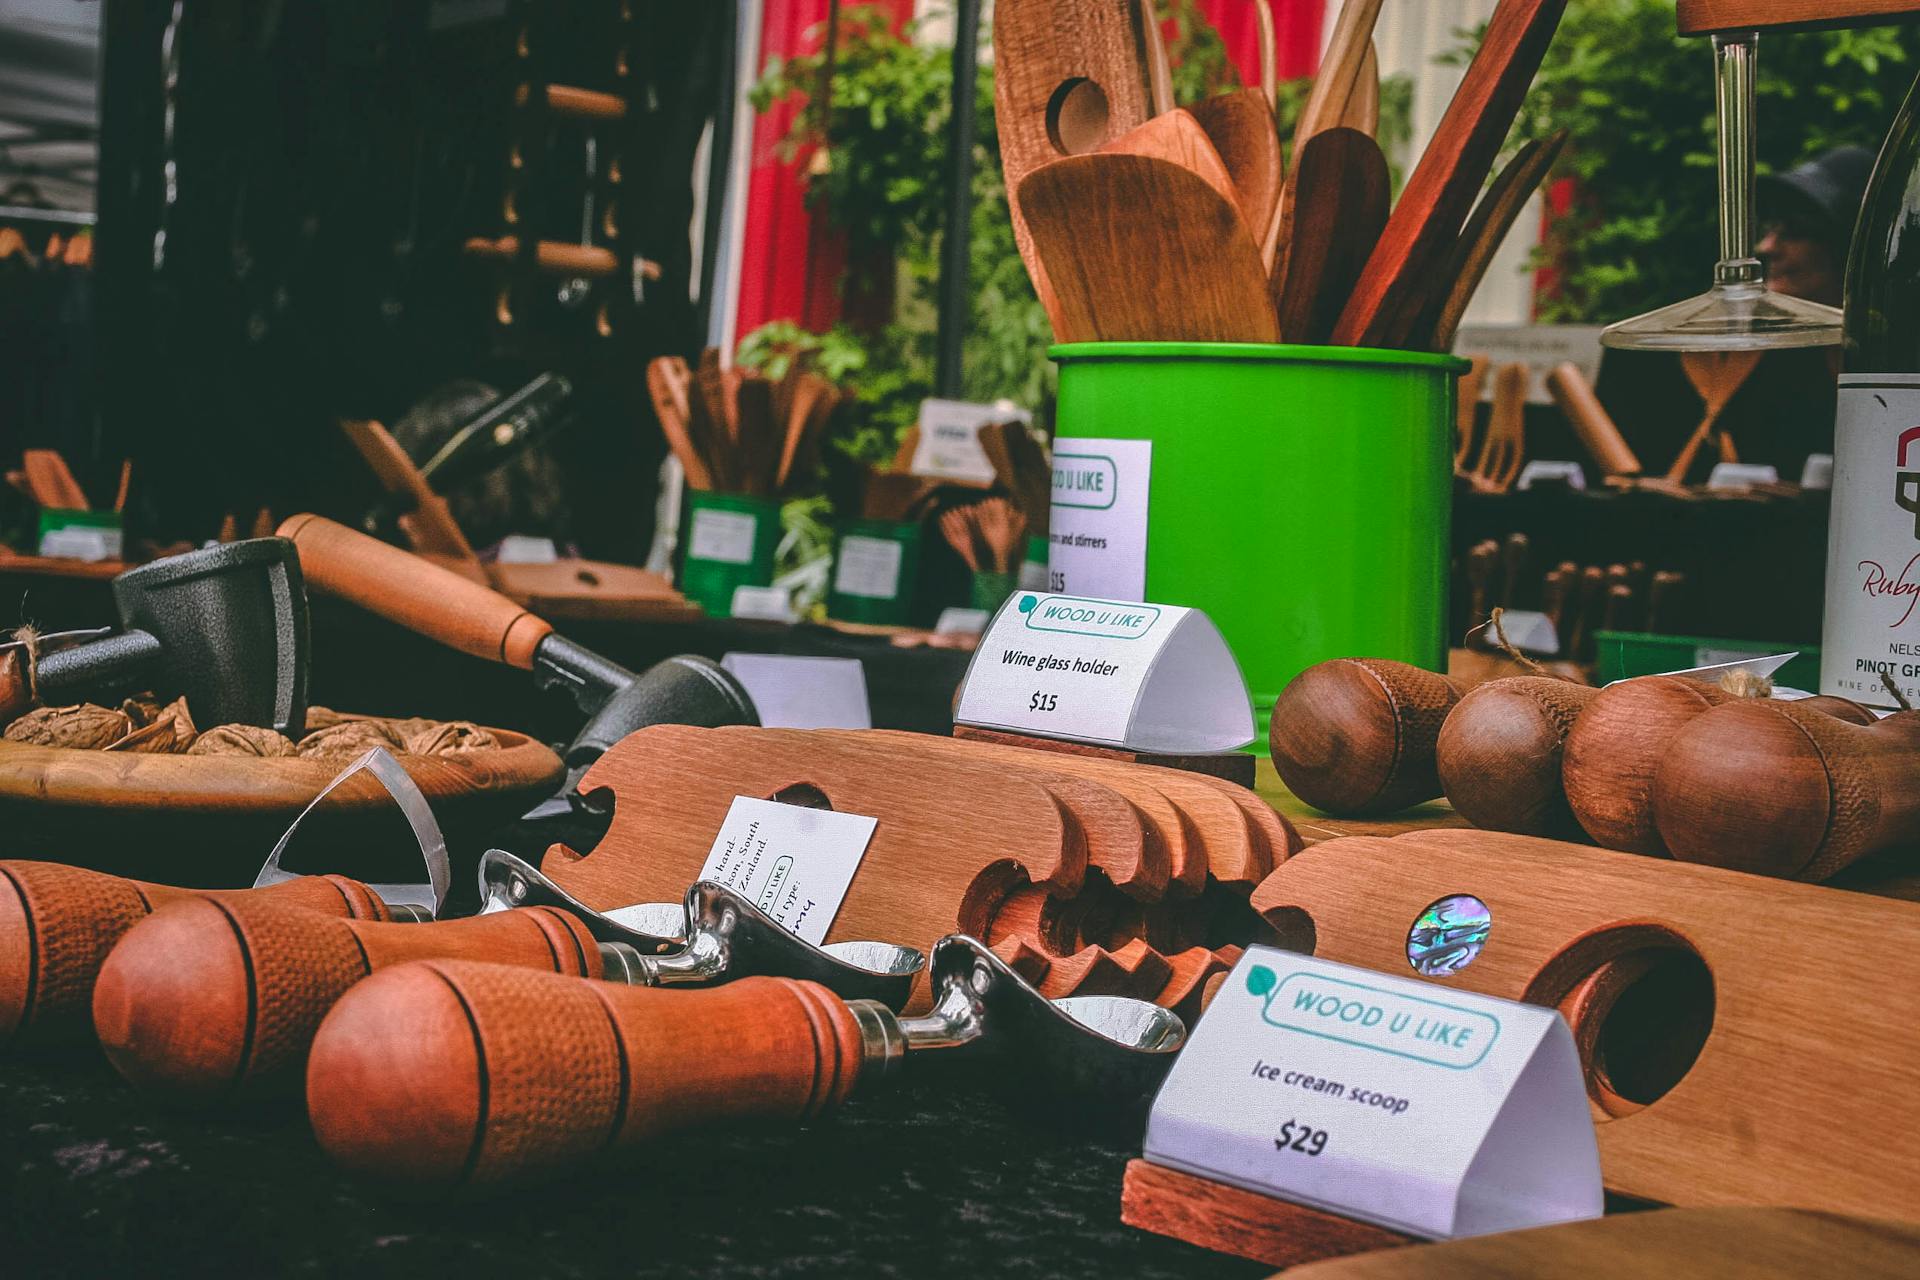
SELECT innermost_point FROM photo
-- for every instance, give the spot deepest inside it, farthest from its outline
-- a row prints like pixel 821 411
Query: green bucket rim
pixel 1252 352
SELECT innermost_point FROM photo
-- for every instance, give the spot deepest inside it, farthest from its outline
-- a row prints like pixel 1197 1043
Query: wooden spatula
pixel 1505 447
pixel 1340 209
pixel 761 438
pixel 1067 77
pixel 1178 138
pixel 1716 375
pixel 1153 47
pixel 1481 238
pixel 1442 188
pixel 667 385
pixel 1471 383
pixel 1362 108
pixel 52 483
pixel 1140 249
pixel 1340 65
pixel 1241 128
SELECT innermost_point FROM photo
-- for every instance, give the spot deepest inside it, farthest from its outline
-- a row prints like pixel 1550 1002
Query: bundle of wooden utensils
pixel 740 432
pixel 1142 222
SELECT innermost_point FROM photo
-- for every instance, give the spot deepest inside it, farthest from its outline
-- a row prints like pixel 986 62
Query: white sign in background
pixel 949 445
pixel 1143 676
pixel 1097 526
pixel 795 692
pixel 792 862
pixel 1434 1112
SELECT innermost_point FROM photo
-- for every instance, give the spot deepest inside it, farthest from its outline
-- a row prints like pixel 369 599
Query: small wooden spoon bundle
pixel 990 536
pixel 739 432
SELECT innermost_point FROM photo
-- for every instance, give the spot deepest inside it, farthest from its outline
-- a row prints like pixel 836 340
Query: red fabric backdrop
pixel 792 264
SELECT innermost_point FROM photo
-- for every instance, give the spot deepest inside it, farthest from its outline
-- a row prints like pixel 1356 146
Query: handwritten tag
pixel 725 537
pixel 792 862
pixel 1434 1112
pixel 1142 676
pixel 949 445
pixel 868 568
pixel 1097 525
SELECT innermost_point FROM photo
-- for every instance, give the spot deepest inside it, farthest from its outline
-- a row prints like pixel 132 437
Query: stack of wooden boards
pixel 1090 876
pixel 1142 222
pixel 740 432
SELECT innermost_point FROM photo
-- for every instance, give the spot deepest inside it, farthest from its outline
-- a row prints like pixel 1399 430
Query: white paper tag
pixel 768 604
pixel 1148 677
pixel 1097 526
pixel 804 693
pixel 722 536
pixel 518 548
pixel 1528 631
pixel 81 542
pixel 1817 473
pixel 792 862
pixel 868 567
pixel 1710 662
pixel 961 622
pixel 1434 1112
pixel 1033 575
pixel 949 445
pixel 1741 475
pixel 1541 470
pixel 1538 346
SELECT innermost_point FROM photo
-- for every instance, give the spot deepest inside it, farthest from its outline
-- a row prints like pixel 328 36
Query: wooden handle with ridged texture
pixel 208 1001
pixel 57 924
pixel 404 589
pixel 448 1074
pixel 1355 736
pixel 1781 789
pixel 1498 755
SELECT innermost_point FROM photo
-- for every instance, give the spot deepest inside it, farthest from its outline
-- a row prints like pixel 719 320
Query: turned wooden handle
pixel 57 924
pixel 1590 420
pixel 208 1001
pixel 1355 736
pixel 1783 789
pixel 1499 754
pixel 423 597
pixel 450 1073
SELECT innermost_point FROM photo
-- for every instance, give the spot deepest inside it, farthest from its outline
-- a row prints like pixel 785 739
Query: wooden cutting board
pixel 1700 1244
pixel 1813 1035
pixel 944 832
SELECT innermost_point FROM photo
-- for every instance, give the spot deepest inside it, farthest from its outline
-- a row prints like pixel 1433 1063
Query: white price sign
pixel 1097 525
pixel 792 862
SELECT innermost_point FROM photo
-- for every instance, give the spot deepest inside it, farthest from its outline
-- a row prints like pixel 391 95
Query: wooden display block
pixel 1244 1223
pixel 1233 766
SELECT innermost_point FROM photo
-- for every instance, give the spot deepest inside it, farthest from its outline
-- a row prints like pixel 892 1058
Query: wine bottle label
pixel 1873 548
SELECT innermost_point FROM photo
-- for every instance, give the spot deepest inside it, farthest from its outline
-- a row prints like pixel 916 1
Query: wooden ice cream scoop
pixel 1784 789
pixel 1499 754
pixel 57 924
pixel 1355 736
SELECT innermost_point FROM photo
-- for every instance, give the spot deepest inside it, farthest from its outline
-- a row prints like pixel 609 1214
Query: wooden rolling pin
pixel 1784 789
pixel 1590 420
pixel 57 924
pixel 1498 756
pixel 1355 736
pixel 442 1074
pixel 1619 741
pixel 215 1001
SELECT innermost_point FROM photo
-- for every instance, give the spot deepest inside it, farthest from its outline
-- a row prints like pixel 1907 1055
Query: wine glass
pixel 1739 313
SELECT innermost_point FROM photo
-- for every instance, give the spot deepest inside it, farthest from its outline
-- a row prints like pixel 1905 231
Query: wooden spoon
pixel 1482 237
pixel 1442 188
pixel 1240 125
pixel 1505 446
pixel 1362 108
pixel 667 380
pixel 1345 55
pixel 1178 138
pixel 1140 249
pixel 1337 219
pixel 1716 375
pixel 760 438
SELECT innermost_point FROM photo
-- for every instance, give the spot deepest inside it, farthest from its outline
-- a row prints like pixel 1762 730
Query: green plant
pixel 1638 101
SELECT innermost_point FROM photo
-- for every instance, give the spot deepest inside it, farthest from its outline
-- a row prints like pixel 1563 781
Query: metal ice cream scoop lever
pixel 714 936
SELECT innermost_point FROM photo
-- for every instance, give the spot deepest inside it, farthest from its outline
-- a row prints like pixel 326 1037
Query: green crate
pixel 1622 654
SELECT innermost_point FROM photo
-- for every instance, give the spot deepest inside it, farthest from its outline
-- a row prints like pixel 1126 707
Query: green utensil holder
pixel 875 566
pixel 990 589
pixel 730 541
pixel 1301 496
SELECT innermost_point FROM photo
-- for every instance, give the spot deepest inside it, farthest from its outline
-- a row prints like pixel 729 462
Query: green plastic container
pixel 1301 496
pixel 875 566
pixel 1620 655
pixel 729 542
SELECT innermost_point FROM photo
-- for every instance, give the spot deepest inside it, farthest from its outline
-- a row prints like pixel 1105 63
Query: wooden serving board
pixel 946 831
pixel 1233 766
pixel 1812 1035
pixel 1700 1244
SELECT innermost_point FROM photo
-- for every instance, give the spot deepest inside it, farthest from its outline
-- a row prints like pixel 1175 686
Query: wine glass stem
pixel 1733 57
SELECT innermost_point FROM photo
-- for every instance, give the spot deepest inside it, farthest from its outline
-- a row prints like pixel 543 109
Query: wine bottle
pixel 1873 547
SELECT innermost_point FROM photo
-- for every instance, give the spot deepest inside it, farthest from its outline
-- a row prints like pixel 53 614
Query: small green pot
pixel 875 566
pixel 729 541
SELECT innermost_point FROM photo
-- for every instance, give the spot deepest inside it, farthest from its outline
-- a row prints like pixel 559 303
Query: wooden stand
pixel 1244 1223
pixel 1233 766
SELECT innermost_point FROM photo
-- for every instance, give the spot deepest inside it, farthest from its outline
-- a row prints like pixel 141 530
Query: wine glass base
pixel 1729 317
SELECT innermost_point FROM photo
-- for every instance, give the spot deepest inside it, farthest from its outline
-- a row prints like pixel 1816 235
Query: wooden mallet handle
pixel 1355 736
pixel 402 588
pixel 57 924
pixel 447 1073
pixel 208 1001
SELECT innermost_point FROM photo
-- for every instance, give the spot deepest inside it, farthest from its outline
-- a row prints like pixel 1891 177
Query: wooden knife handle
pixel 57 924
pixel 1355 736
pixel 210 1001
pixel 1590 420
pixel 448 1073
pixel 402 588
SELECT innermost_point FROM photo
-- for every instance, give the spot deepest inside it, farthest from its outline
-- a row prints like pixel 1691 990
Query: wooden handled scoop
pixel 447 1074
pixel 1141 249
pixel 1355 736
pixel 1339 211
pixel 58 923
